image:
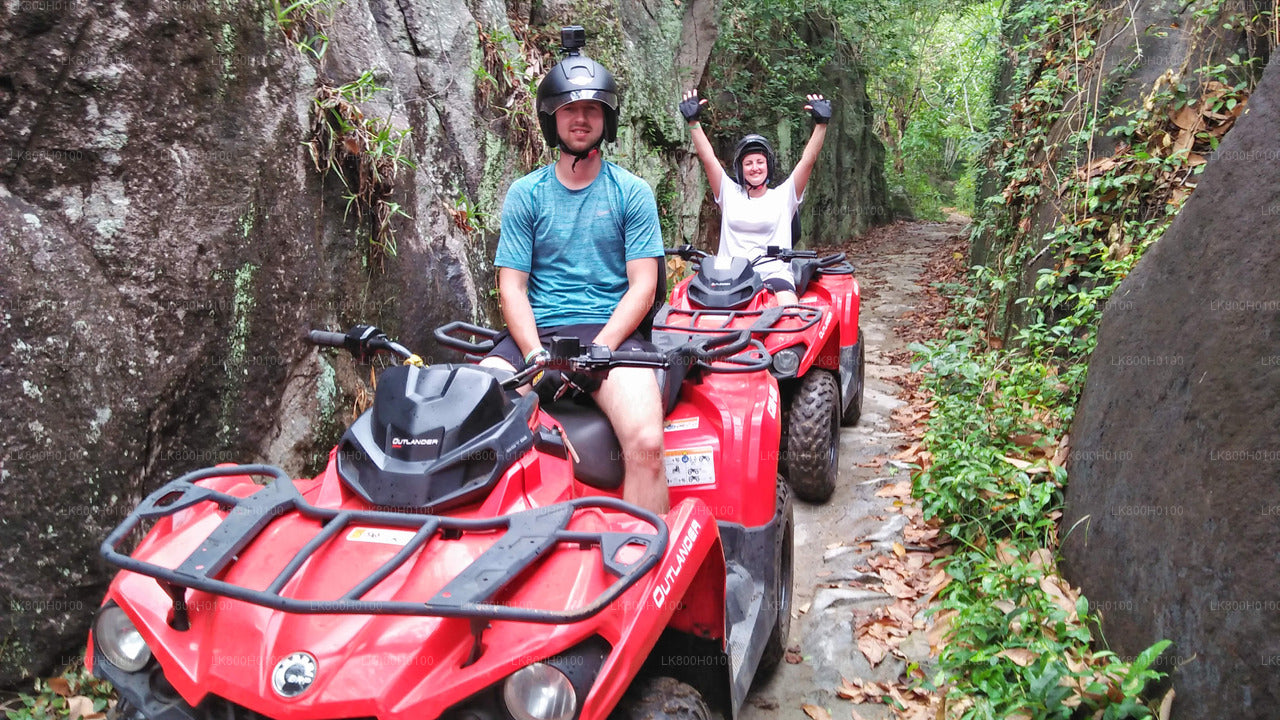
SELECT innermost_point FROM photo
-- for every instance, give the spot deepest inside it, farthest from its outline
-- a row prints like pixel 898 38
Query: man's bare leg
pixel 494 361
pixel 631 400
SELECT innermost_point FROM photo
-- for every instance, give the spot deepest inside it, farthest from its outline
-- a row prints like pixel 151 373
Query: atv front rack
pixel 763 321
pixel 528 536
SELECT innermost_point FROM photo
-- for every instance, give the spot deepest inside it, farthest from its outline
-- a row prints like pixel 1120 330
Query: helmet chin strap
pixel 578 156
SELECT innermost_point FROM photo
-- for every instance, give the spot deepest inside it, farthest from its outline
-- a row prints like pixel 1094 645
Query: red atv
pixel 466 555
pixel 816 346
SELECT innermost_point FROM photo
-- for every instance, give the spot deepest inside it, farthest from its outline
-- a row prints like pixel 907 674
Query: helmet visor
pixel 550 105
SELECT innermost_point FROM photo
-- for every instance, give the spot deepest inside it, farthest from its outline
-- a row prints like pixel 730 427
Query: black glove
pixel 691 106
pixel 820 108
pixel 583 382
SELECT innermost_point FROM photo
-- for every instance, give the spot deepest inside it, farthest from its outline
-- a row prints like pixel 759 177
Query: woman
pixel 753 215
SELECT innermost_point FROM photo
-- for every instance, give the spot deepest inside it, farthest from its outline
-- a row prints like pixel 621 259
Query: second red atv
pixel 465 555
pixel 816 345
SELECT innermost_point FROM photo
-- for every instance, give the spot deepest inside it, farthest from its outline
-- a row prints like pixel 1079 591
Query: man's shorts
pixel 505 347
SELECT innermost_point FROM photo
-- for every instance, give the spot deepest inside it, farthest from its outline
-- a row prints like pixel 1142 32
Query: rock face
pixel 1173 492
pixel 1136 51
pixel 166 239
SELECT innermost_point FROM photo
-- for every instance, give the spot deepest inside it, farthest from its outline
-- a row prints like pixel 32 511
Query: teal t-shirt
pixel 575 244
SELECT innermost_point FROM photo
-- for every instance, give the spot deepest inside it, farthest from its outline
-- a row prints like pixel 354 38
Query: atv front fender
pixel 685 592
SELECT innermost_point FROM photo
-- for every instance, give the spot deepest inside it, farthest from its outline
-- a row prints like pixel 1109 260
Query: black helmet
pixel 753 144
pixel 577 77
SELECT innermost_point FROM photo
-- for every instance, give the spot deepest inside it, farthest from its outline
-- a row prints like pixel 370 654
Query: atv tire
pixel 851 414
pixel 813 437
pixel 661 698
pixel 776 646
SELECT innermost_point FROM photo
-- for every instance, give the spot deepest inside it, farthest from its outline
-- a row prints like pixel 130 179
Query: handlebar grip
pixel 327 339
pixel 637 356
pixel 724 345
pixel 688 252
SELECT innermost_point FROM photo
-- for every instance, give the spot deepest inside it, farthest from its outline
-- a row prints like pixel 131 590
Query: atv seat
pixel 803 270
pixel 599 453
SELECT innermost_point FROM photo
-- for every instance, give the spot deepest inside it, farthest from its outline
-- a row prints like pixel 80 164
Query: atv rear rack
pixel 528 536
pixel 764 321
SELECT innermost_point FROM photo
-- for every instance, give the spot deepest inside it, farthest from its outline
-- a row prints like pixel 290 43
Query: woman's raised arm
pixel 690 106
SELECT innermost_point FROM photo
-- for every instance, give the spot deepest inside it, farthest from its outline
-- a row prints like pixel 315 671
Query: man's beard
pixel 585 145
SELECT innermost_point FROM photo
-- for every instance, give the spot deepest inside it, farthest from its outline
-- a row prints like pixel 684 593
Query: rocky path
pixel 834 541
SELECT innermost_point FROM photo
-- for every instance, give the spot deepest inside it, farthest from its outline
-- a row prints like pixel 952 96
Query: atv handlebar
pixel 775 252
pixel 362 341
pixel 772 252
pixel 448 336
pixel 688 252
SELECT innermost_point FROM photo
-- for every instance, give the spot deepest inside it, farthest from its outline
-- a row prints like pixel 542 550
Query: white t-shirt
pixel 750 225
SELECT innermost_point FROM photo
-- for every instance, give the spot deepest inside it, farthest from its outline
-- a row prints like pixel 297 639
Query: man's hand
pixel 691 106
pixel 820 108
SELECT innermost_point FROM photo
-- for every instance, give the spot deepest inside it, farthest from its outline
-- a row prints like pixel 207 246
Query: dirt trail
pixel 834 540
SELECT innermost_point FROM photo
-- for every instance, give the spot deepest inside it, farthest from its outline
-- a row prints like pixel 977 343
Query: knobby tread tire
pixel 854 411
pixel 812 437
pixel 661 698
pixel 776 646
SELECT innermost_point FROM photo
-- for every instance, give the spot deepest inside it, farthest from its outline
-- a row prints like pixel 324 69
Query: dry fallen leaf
pixel 940 631
pixel 1021 657
pixel 851 691
pixel 1020 464
pixel 78 707
pixel 816 712
pixel 1166 705
pixel 61 686
pixel 873 649
pixel 901 489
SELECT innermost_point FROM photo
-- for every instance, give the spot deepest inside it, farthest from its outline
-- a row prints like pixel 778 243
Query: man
pixel 577 257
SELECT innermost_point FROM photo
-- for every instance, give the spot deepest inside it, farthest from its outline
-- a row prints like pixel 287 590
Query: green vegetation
pixel 365 153
pixel 303 22
pixel 506 83
pixel 1021 642
pixel 74 692
pixel 932 66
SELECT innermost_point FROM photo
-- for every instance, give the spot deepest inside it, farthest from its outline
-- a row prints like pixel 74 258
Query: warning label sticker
pixel 690 466
pixel 380 535
pixel 681 424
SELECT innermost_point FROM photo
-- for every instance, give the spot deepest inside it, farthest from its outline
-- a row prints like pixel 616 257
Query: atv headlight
pixel 786 362
pixel 120 642
pixel 539 692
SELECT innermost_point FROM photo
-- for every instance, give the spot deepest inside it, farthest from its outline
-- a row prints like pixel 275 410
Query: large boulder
pixel 166 241
pixel 1173 499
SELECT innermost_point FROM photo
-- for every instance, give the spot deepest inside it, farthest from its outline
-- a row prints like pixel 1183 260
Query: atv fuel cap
pixel 294 674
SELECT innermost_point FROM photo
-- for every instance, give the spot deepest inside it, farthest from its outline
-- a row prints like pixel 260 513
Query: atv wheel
pixel 776 646
pixel 661 698
pixel 813 437
pixel 854 411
